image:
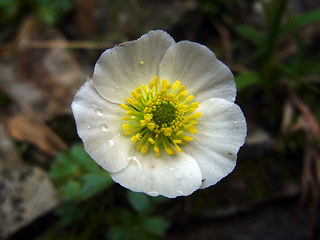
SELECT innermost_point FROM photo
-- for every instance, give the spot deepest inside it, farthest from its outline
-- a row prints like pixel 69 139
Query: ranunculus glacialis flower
pixel 160 116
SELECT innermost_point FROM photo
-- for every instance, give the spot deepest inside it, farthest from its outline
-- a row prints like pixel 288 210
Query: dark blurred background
pixel 51 189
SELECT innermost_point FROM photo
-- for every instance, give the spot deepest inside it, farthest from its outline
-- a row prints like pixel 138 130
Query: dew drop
pixel 103 127
pixel 117 86
pixel 153 193
pixel 88 126
pixel 98 112
pixel 180 192
pixel 235 122
pixel 110 142
pixel 134 160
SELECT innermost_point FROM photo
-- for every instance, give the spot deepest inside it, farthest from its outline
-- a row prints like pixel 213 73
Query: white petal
pixel 221 132
pixel 170 176
pixel 127 66
pixel 99 126
pixel 197 67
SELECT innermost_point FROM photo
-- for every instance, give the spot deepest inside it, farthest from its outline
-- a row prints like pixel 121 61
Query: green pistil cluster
pixel 164 112
pixel 159 116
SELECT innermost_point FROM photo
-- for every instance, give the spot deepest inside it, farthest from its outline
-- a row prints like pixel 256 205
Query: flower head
pixel 160 116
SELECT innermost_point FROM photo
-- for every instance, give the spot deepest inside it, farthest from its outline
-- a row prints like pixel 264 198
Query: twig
pixel 59 143
pixel 58 44
pixel 311 163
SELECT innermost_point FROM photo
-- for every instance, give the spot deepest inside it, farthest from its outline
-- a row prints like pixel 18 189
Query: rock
pixel 25 191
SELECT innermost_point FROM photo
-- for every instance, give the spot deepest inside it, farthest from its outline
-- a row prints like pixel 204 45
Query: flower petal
pixel 127 66
pixel 221 132
pixel 99 127
pixel 197 67
pixel 170 176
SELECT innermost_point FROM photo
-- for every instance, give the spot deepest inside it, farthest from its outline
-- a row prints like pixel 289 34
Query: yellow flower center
pixel 160 116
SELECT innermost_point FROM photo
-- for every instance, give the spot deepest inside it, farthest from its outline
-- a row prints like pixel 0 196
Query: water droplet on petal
pixel 235 122
pixel 88 126
pixel 153 193
pixel 110 142
pixel 135 161
pixel 98 112
pixel 180 192
pixel 103 127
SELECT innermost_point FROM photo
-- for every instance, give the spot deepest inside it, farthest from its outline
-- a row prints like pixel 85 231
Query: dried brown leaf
pixel 26 129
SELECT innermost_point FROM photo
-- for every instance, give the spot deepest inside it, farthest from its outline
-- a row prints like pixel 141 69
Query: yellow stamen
pixel 160 117
pixel 129 113
pixel 125 107
pixel 187 138
pixel 151 140
pixel 178 148
pixel 136 138
pixel 135 95
pixel 145 88
pixel 169 150
pixel 175 85
pixel 130 132
pixel 194 122
pixel 195 105
pixel 179 133
pixel 190 98
pixel 130 101
pixel 164 84
pixel 183 94
pixel 195 116
pixel 156 149
pixel 181 89
pixel 125 126
pixel 190 129
pixel 145 148
pixel 149 92
pixel 151 126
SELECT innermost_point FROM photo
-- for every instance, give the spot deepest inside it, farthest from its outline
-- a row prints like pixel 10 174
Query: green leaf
pixel 159 199
pixel 64 168
pixel 286 70
pixel 314 67
pixel 9 10
pixel 71 189
pixel 301 21
pixel 156 225
pixel 250 34
pixel 68 212
pixel 94 183
pixel 246 79
pixel 119 233
pixel 139 201
pixel 77 175
pixel 307 18
pixel 50 11
pixel 79 155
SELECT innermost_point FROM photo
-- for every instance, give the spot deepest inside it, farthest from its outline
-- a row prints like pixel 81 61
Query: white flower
pixel 138 122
